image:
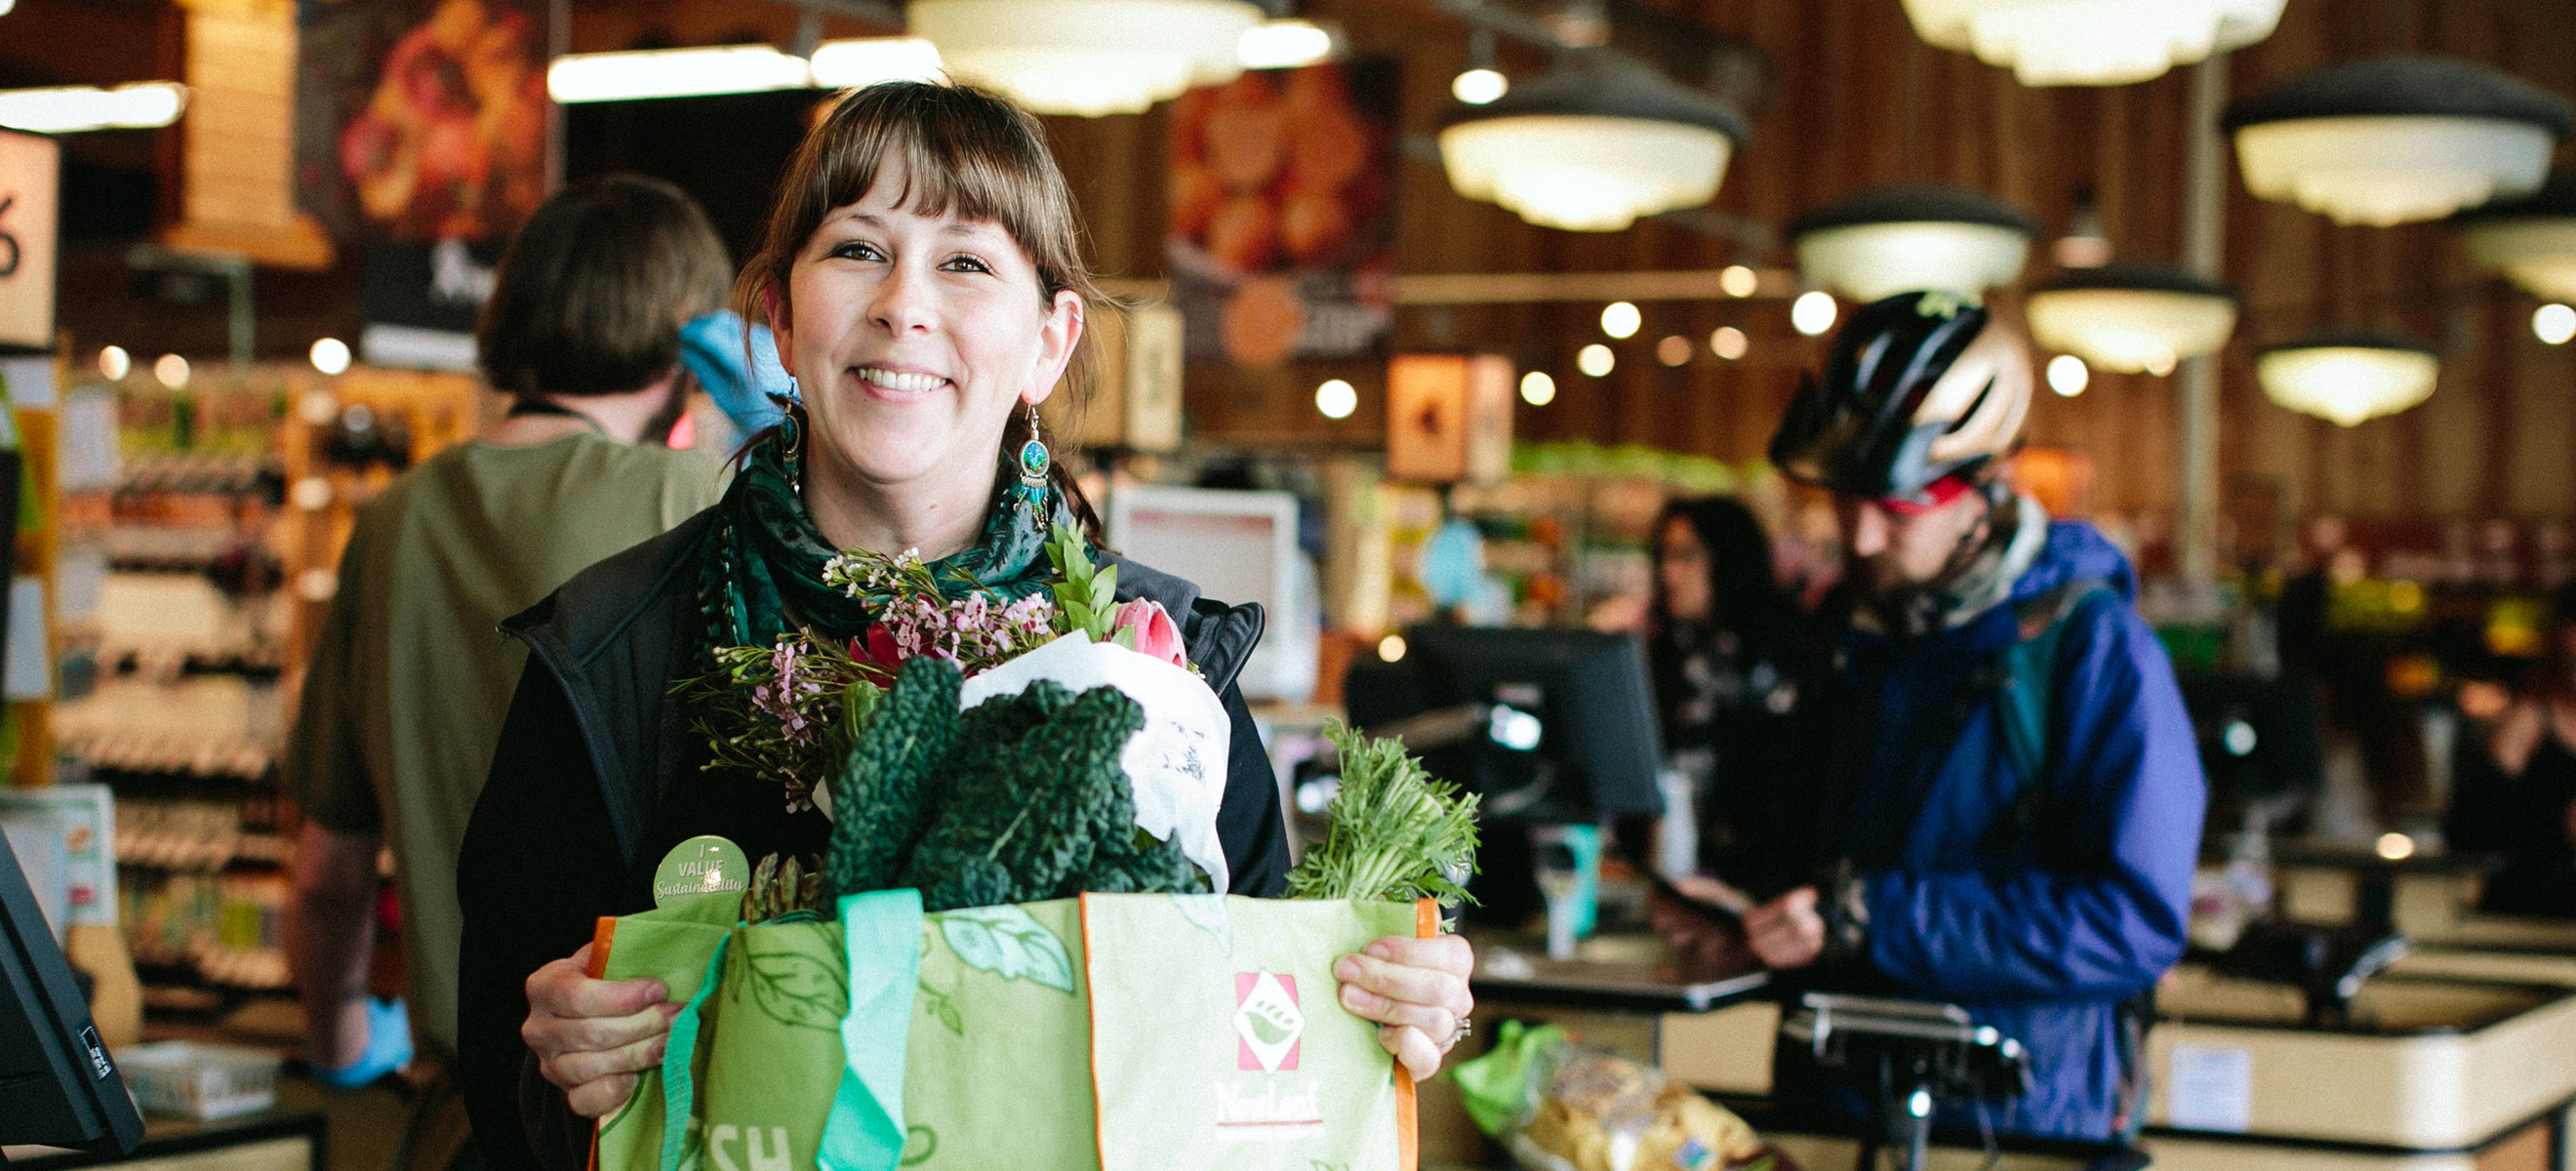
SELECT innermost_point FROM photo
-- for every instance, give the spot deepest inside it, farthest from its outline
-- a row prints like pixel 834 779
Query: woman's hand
pixel 592 1037
pixel 1416 990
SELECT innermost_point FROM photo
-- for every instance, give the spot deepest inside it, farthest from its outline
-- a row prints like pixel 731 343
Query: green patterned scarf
pixel 762 574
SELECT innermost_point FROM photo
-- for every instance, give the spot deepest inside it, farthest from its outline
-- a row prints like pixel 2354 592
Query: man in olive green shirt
pixel 410 676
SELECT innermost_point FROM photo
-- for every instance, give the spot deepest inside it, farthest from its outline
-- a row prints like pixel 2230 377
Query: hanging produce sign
pixel 1282 202
pixel 30 165
pixel 421 133
pixel 422 120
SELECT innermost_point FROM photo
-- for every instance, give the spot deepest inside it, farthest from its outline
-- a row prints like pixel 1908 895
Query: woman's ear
pixel 774 308
pixel 1058 336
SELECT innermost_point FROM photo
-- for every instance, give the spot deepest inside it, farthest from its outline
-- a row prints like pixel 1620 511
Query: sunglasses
pixel 1934 495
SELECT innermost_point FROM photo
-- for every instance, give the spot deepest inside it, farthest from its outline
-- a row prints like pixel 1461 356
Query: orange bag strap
pixel 1408 1120
pixel 600 936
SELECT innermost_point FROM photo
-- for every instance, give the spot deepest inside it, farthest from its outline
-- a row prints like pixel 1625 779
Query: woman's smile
pixel 899 385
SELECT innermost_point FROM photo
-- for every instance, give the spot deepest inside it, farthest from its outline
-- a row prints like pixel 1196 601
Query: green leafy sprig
pixel 1396 834
pixel 1086 595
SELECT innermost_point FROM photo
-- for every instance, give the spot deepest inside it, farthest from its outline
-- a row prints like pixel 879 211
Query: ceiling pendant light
pixel 2092 42
pixel 1087 57
pixel 2533 240
pixel 2348 377
pixel 2391 140
pixel 1591 151
pixel 1899 239
pixel 2134 318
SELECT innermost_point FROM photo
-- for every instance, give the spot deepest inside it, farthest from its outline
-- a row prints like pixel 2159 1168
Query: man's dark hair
pixel 590 296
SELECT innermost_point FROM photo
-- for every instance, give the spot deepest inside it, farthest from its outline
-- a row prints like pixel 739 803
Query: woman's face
pixel 1684 569
pixel 912 339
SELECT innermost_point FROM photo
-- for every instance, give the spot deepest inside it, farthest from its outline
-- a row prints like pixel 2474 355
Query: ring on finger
pixel 1466 1028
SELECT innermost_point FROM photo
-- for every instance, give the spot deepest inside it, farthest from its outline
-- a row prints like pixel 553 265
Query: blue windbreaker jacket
pixel 2039 925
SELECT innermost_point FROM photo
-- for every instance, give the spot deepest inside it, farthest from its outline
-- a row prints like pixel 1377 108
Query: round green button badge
pixel 703 865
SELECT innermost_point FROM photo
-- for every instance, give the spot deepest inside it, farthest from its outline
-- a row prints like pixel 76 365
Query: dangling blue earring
pixel 1034 461
pixel 791 445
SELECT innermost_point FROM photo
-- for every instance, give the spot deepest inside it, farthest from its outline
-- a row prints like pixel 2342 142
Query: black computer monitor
pixel 1547 726
pixel 1568 729
pixel 58 1087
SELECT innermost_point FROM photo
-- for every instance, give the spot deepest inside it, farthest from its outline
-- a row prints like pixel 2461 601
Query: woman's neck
pixel 938 518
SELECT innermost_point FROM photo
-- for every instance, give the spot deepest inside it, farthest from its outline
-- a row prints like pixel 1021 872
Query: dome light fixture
pixel 1087 57
pixel 2092 42
pixel 1288 43
pixel 2532 240
pixel 1590 151
pixel 2131 317
pixel 2392 140
pixel 1883 241
pixel 2347 378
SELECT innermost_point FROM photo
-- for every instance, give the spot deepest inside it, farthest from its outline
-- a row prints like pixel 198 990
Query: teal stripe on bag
pixel 678 1054
pixel 882 930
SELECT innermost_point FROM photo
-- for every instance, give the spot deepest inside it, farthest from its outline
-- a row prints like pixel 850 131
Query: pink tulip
pixel 1143 626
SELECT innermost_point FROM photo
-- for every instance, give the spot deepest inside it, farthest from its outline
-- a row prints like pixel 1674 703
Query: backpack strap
pixel 2028 686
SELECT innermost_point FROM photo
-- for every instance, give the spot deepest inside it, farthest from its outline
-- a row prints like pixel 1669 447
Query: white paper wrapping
pixel 1177 761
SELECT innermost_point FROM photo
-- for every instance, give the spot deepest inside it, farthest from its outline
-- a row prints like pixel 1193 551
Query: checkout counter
pixel 2461 1054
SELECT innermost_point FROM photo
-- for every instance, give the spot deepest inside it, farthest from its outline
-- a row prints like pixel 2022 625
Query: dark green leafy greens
pixel 1020 799
pixel 882 796
pixel 1396 834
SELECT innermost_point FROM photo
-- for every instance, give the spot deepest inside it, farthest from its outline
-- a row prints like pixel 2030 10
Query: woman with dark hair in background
pixel 2520 801
pixel 1727 648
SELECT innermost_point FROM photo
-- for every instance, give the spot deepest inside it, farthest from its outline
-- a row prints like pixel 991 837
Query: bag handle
pixel 678 1090
pixel 882 931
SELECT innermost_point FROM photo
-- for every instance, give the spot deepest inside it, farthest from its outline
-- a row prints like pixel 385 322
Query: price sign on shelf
pixel 30 169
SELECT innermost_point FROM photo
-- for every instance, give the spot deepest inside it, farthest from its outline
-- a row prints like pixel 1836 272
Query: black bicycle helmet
pixel 1919 387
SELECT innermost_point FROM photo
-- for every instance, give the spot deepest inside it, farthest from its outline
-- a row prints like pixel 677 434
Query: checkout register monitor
pixel 58 1087
pixel 1547 726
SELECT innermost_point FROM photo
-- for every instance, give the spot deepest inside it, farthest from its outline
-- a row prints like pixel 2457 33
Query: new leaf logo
pixel 1267 1023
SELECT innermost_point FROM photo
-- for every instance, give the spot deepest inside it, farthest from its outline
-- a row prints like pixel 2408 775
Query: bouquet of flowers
pixel 1028 714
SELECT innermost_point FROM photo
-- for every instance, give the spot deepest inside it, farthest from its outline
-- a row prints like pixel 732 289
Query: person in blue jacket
pixel 2012 797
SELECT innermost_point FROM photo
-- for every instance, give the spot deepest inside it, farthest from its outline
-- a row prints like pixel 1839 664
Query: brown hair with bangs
pixel 964 151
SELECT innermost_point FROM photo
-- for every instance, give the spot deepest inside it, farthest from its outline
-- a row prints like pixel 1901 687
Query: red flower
pixel 877 650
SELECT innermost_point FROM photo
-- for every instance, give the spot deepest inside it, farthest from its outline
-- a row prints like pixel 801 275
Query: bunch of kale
pixel 1018 800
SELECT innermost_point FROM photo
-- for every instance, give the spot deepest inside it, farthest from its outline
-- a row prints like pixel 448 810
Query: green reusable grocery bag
pixel 998 1068
pixel 1132 1032
pixel 1219 1040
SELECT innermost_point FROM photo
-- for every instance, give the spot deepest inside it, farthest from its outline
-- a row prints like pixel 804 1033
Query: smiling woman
pixel 921 274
